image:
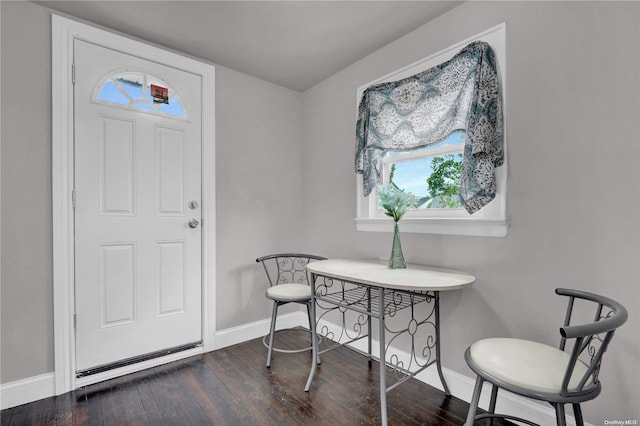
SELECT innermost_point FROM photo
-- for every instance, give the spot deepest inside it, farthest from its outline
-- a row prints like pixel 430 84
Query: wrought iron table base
pixel 361 298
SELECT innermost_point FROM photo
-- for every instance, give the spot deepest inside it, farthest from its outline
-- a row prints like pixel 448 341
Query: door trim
pixel 64 31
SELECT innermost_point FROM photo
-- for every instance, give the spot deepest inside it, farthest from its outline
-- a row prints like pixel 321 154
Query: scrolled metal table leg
pixel 315 358
pixel 369 347
pixel 383 368
pixel 438 362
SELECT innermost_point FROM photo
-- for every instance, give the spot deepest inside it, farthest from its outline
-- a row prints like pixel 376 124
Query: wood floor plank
pixel 232 386
pixel 5 417
pixel 247 385
pixel 28 414
pixel 326 407
pixel 210 393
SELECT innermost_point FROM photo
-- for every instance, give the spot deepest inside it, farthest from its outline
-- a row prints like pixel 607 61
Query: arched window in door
pixel 140 91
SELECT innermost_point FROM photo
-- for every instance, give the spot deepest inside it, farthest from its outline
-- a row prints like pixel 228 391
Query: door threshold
pixel 135 364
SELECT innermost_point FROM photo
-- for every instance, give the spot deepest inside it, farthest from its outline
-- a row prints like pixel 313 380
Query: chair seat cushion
pixel 289 292
pixel 530 365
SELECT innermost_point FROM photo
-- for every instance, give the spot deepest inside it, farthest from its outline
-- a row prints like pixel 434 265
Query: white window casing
pixel 490 220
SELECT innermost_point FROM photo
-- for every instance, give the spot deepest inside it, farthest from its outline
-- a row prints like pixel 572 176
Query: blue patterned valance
pixel 461 94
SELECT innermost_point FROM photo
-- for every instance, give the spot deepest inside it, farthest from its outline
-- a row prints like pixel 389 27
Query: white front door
pixel 137 149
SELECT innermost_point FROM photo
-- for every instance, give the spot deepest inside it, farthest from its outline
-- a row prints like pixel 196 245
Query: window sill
pixel 460 226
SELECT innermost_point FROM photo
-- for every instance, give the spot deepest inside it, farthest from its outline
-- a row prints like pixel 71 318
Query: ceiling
pixel 294 44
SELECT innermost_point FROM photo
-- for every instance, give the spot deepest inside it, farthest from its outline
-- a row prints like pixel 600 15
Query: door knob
pixel 193 223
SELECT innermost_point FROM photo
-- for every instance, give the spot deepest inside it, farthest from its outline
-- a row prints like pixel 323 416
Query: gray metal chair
pixel 288 283
pixel 568 375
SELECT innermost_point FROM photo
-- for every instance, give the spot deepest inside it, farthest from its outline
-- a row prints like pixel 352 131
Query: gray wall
pixel 572 105
pixel 258 169
pixel 26 345
pixel 258 189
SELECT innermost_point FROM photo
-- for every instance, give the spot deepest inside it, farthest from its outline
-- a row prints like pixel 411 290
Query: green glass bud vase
pixel 397 259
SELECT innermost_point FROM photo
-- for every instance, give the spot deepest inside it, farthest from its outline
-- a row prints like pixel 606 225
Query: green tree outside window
pixel 444 181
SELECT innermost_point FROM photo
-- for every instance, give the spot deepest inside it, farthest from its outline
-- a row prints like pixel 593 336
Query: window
pixel 140 91
pixel 432 174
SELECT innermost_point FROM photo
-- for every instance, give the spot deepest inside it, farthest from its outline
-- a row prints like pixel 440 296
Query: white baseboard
pixel 461 386
pixel 27 390
pixel 253 330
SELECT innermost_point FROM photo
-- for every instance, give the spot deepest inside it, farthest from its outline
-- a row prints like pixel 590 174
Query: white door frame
pixel 64 31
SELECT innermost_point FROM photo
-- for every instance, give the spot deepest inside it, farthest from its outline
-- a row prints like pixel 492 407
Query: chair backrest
pixel 285 268
pixel 590 339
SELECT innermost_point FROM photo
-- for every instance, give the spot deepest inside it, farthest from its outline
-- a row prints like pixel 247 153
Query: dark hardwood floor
pixel 232 386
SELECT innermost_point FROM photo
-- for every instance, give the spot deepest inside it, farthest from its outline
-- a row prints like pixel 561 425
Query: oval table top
pixel 414 277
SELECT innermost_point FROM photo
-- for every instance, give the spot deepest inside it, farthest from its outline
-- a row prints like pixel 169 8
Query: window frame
pixel 491 220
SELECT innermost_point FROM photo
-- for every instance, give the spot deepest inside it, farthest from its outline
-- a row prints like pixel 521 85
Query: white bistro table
pixel 352 292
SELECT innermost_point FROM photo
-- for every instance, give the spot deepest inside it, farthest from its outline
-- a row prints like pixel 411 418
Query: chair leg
pixel 492 404
pixel 473 404
pixel 309 314
pixel 274 315
pixel 577 412
pixel 560 415
pixel 310 327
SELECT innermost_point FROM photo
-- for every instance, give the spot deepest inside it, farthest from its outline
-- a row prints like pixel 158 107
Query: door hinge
pixel 73 73
pixel 73 198
pixel 75 324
